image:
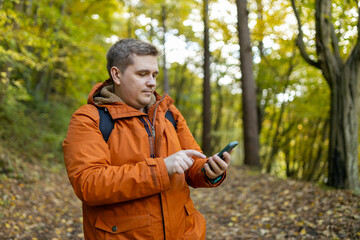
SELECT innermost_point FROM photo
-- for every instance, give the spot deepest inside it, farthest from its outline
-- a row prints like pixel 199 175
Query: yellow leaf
pixel 303 231
pixel 299 223
pixel 7 225
pixel 58 231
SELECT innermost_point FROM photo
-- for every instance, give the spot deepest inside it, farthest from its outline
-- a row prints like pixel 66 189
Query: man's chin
pixel 145 102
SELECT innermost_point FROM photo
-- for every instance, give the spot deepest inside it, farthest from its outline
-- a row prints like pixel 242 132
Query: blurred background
pixel 291 98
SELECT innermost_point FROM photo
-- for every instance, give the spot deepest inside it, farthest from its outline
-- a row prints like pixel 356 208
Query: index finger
pixel 192 153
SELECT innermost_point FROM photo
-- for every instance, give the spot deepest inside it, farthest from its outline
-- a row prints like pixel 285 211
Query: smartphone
pixel 228 148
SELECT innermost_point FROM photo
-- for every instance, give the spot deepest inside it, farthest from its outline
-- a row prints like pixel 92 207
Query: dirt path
pixel 246 206
pixel 254 206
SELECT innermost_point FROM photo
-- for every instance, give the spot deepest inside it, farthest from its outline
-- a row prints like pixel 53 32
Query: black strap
pixel 169 116
pixel 106 124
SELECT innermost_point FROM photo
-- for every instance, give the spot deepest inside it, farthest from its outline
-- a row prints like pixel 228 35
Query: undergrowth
pixel 31 134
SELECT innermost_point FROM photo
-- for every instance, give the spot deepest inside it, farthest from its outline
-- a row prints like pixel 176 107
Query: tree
pixel 250 118
pixel 342 77
pixel 206 136
pixel 165 71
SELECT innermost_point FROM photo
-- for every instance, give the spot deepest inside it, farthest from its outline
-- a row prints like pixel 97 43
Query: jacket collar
pixel 102 95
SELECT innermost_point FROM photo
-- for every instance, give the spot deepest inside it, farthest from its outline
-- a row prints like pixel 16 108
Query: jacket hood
pixel 103 94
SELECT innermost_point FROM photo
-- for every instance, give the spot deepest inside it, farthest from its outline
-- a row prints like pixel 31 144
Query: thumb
pixel 194 153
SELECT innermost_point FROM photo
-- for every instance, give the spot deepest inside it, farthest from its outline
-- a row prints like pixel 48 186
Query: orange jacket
pixel 126 193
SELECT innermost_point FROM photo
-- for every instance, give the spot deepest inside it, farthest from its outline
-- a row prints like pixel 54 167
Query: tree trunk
pixel 165 72
pixel 206 136
pixel 129 23
pixel 343 171
pixel 275 147
pixel 308 154
pixel 250 118
pixel 180 83
pixel 343 144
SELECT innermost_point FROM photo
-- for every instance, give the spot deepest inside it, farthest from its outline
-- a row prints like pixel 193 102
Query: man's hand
pixel 218 166
pixel 181 161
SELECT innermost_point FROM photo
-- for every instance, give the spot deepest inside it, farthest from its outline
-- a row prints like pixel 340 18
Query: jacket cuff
pixel 160 175
pixel 214 182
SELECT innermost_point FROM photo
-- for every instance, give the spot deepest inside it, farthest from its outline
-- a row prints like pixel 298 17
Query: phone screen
pixel 228 148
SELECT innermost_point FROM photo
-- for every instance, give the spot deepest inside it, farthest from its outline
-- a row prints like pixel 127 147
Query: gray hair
pixel 121 53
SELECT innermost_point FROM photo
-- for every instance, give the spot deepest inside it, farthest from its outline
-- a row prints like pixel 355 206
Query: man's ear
pixel 116 75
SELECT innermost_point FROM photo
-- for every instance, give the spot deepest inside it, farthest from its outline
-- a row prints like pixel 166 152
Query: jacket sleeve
pixel 195 177
pixel 88 164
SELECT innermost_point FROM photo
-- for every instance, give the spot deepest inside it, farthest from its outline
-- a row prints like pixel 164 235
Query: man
pixel 135 185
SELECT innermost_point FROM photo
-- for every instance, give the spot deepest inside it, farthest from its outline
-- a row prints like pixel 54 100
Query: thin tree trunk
pixel 206 136
pixel 165 71
pixel 220 106
pixel 129 23
pixel 315 168
pixel 275 142
pixel 180 86
pixel 308 156
pixel 250 118
pixel 219 114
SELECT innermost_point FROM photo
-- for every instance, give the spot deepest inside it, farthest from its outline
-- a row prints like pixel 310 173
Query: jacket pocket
pixel 189 207
pixel 126 227
pixel 195 225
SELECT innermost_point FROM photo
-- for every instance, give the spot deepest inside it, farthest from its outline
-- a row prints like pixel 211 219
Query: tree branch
pixel 300 41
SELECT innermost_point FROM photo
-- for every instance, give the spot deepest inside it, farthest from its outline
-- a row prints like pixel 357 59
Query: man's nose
pixel 151 81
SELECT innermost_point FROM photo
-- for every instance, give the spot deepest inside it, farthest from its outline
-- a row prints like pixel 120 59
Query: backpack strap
pixel 106 124
pixel 169 116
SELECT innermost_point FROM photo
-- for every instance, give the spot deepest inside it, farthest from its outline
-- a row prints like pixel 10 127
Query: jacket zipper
pixel 153 129
pixel 151 134
pixel 152 150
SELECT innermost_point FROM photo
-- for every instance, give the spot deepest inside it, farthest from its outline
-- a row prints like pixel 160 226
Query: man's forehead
pixel 147 62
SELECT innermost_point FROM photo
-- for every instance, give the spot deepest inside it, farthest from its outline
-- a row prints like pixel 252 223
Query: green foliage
pixel 53 51
pixel 36 130
pixel 49 59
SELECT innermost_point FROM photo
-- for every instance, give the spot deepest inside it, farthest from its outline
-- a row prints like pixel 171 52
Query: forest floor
pixel 248 205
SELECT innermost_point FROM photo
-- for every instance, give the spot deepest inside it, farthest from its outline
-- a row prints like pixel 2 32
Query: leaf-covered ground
pixel 247 206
